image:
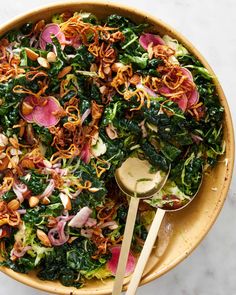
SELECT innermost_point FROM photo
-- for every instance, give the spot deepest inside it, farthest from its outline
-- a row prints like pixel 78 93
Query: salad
pixel 78 96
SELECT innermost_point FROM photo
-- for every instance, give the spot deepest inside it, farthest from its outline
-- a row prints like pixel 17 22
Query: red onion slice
pixel 57 235
pixel 19 189
pixel 48 191
pixel 20 252
pixel 85 115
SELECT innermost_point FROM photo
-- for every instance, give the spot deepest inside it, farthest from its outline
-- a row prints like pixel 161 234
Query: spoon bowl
pixel 136 180
pixel 149 243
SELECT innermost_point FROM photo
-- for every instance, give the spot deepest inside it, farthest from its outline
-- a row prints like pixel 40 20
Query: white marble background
pixel 210 25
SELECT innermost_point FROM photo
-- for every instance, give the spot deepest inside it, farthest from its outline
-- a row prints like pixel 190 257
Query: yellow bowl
pixel 190 224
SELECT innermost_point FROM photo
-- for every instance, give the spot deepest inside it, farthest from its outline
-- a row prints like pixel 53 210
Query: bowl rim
pixel 13 22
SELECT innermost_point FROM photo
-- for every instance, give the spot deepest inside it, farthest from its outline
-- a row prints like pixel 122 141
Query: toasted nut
pixel 33 201
pixel 26 109
pixel 27 163
pixel 43 62
pixel 93 68
pixel 4 163
pixel 2 155
pixel 31 54
pixel 116 66
pixel 3 140
pixel 93 189
pixel 51 57
pixel 45 201
pixel 14 142
pixel 64 72
pixel 52 221
pixel 135 79
pixel 43 238
pixel 13 205
pixel 72 239
pixel 65 201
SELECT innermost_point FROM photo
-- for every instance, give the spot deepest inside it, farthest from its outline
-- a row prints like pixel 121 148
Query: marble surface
pixel 210 26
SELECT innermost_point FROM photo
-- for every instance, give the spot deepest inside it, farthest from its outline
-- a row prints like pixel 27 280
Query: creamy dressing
pixel 136 177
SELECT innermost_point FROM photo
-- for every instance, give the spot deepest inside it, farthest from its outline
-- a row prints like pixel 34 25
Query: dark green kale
pixel 155 158
pixel 187 174
pixel 43 134
pixel 82 59
pixel 36 182
pixel 67 262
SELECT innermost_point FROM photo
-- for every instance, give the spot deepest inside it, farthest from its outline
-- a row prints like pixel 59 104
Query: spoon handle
pixel 146 251
pixel 128 234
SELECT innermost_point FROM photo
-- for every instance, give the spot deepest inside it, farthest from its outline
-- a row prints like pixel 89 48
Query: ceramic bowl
pixel 190 224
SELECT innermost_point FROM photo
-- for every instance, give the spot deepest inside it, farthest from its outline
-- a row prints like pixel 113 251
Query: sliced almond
pixel 13 205
pixel 43 62
pixel 43 238
pixel 116 66
pixel 66 202
pixel 26 109
pixel 45 201
pixel 93 68
pixel 93 189
pixel 4 163
pixel 51 57
pixel 33 201
pixel 31 54
pixel 72 239
pixel 64 72
pixel 3 140
pixel 27 163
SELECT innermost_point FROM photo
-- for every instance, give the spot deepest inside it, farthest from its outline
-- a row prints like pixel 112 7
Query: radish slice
pixel 147 38
pixel 187 73
pixel 193 98
pixel 164 90
pixel 75 42
pixel 48 31
pixel 113 262
pixel 46 115
pixel 182 102
pixel 148 90
pixel 85 154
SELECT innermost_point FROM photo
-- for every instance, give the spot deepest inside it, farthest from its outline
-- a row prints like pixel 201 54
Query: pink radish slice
pixel 164 90
pixel 85 153
pixel 75 42
pixel 187 73
pixel 193 98
pixel 48 31
pixel 147 38
pixel 182 102
pixel 113 262
pixel 28 118
pixel 46 115
pixel 148 90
